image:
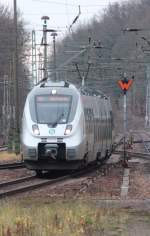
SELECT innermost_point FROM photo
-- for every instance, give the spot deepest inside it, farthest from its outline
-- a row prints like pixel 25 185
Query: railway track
pixel 29 183
pixel 26 184
pixel 143 139
pixel 141 155
pixel 146 143
pixel 12 165
pixel 71 181
pixel 144 153
pixel 146 146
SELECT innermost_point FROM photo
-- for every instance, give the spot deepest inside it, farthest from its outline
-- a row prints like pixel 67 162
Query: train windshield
pixel 52 109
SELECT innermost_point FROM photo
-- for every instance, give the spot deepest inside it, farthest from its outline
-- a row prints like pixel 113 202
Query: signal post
pixel 125 84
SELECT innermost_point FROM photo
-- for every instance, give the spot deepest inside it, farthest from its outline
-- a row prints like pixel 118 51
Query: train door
pixel 110 123
pixel 103 153
pixel 109 126
pixel 91 129
pixel 89 120
pixel 106 123
pixel 100 128
pixel 96 128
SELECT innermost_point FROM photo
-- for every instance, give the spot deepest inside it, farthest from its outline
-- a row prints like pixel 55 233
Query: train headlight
pixel 68 129
pixel 54 91
pixel 35 129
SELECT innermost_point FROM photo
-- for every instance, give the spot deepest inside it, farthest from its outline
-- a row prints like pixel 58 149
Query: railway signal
pixel 125 84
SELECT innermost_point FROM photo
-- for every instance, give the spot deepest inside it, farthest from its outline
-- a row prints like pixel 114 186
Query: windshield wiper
pixel 56 122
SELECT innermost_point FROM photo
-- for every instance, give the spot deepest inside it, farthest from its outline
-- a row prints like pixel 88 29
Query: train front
pixel 52 128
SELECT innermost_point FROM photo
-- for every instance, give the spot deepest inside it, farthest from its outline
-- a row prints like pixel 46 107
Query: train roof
pixel 86 91
pixel 48 83
pixel 46 87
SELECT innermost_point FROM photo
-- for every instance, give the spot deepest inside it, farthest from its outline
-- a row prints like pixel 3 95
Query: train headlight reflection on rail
pixel 68 129
pixel 35 129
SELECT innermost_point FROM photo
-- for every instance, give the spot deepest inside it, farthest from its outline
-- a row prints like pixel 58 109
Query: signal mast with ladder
pixel 125 84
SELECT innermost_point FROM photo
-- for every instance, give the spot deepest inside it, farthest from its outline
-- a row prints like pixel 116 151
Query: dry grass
pixel 60 219
pixel 6 156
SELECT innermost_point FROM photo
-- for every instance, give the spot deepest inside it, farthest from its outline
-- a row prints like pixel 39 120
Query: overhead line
pixel 73 5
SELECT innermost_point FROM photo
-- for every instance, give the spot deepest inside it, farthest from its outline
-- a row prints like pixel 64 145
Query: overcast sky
pixel 61 12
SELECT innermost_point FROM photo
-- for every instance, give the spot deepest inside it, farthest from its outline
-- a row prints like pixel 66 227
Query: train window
pixel 112 120
pixel 52 109
pixel 88 112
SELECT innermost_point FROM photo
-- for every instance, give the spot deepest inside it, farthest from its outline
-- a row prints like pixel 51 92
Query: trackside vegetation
pixel 33 217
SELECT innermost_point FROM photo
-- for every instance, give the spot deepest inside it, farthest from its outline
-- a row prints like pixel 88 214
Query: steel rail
pixel 141 155
pixel 27 187
pixel 16 181
pixel 41 182
pixel 13 165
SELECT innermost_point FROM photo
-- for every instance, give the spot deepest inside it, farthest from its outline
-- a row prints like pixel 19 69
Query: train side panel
pixel 97 113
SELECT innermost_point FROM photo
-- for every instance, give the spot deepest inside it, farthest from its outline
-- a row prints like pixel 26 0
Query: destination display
pixel 49 98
